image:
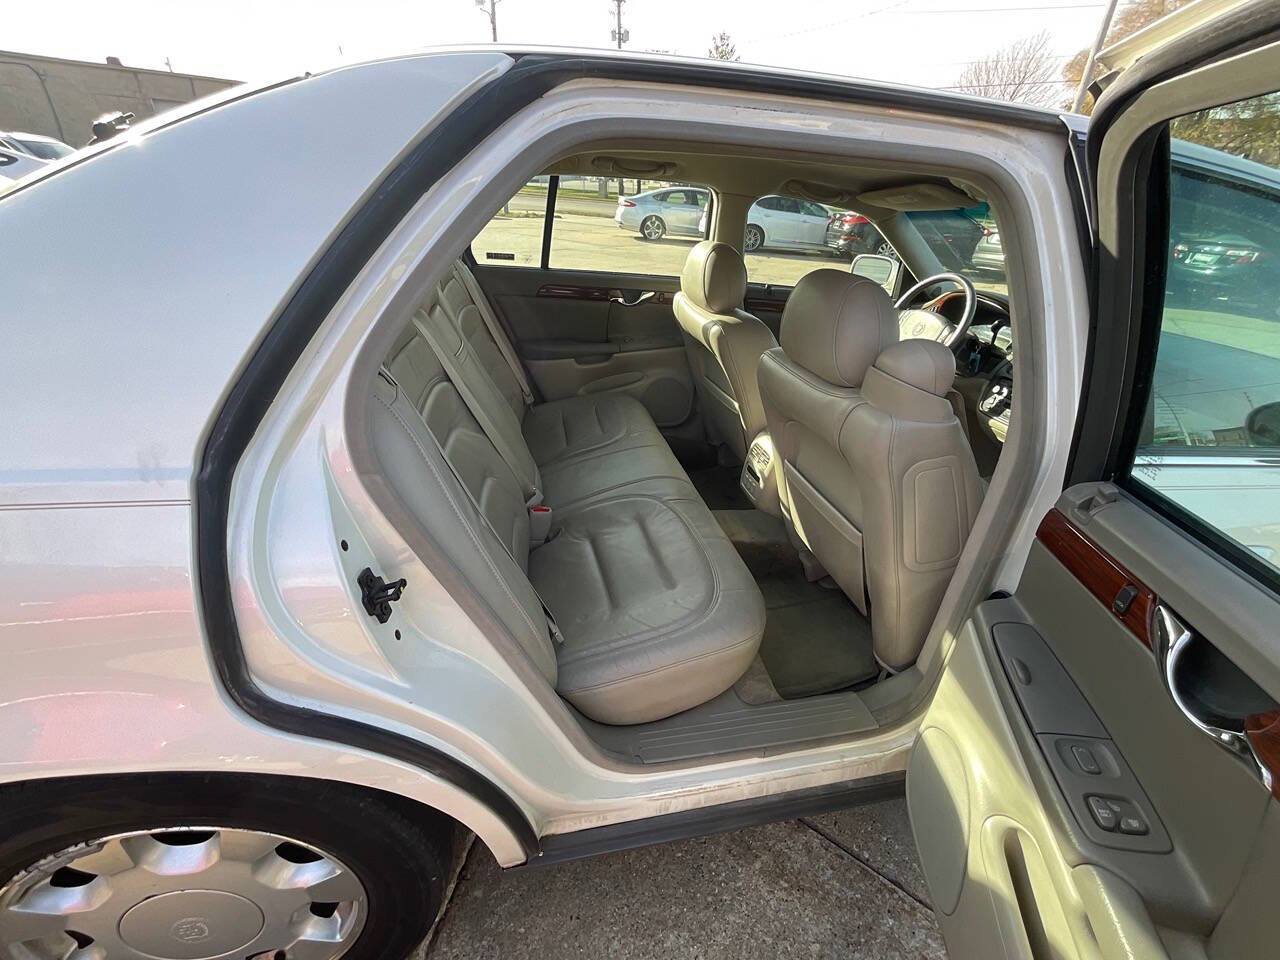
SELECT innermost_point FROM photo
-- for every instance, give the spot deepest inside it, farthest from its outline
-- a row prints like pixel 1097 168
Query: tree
pixel 1024 71
pixel 722 48
pixel 1128 19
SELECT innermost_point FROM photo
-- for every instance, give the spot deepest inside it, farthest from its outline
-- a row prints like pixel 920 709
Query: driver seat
pixel 878 485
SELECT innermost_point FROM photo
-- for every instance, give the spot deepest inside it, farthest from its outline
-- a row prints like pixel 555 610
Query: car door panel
pixel 581 332
pixel 990 758
pixel 1120 707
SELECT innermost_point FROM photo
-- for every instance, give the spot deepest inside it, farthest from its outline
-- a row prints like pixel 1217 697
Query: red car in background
pixel 952 235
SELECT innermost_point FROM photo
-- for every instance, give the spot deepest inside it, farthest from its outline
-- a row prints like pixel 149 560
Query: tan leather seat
pixel 654 610
pixel 877 478
pixel 724 343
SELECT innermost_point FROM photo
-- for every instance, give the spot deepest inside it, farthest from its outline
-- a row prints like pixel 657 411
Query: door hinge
pixel 377 595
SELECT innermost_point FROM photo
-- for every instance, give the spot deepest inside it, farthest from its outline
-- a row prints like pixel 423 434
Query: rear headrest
pixel 924 364
pixel 714 277
pixel 835 324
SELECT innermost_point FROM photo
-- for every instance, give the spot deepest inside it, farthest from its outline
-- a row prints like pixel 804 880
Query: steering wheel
pixel 925 322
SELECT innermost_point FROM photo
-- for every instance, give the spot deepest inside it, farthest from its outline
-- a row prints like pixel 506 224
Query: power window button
pixel 1104 815
pixel 1133 824
pixel 1086 760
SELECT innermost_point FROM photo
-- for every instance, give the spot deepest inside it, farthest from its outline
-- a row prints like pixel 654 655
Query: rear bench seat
pixel 656 611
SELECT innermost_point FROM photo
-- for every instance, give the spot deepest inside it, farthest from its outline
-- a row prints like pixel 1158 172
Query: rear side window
pixel 1210 438
pixel 613 225
pixel 596 224
pixel 513 237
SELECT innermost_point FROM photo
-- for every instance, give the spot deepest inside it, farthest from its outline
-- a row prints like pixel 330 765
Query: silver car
pixel 654 214
pixel 789 223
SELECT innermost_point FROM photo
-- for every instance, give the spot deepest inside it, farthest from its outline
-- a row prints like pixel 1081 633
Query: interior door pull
pixel 618 298
pixel 1172 638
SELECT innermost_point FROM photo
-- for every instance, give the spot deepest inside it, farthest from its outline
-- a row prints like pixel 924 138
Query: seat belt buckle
pixel 539 524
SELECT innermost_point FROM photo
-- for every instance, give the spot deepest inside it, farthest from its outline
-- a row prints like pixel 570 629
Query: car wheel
pixel 886 250
pixel 652 228
pixel 193 865
pixel 753 239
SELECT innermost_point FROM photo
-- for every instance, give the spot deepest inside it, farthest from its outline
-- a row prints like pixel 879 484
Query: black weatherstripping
pixel 531 77
pixel 726 817
pixel 253 393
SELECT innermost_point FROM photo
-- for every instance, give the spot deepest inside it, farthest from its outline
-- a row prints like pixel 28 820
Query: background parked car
pixel 35 145
pixel 786 223
pixel 15 165
pixel 858 235
pixel 1222 255
pixel 988 254
pixel 678 211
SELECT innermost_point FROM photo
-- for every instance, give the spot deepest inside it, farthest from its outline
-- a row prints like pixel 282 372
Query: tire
pixel 753 239
pixel 885 249
pixel 398 859
pixel 653 228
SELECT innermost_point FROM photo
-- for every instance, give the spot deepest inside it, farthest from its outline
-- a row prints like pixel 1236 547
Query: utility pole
pixel 620 36
pixel 490 7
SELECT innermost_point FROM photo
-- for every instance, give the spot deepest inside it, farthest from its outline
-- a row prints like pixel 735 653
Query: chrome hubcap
pixel 183 894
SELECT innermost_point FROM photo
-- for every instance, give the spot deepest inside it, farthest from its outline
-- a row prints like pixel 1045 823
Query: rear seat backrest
pixel 411 460
pixel 443 320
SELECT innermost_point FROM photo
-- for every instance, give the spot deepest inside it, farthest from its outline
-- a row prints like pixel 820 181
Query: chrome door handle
pixel 618 298
pixel 1171 640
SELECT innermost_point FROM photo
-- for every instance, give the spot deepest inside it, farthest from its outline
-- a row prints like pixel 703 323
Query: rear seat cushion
pixel 658 612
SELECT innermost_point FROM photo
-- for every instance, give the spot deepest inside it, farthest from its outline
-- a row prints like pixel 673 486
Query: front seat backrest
pixel 877 479
pixel 724 343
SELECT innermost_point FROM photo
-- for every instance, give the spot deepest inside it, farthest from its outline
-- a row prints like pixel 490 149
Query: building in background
pixel 61 98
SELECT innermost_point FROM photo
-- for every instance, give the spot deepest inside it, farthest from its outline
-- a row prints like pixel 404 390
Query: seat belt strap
pixel 523 468
pixel 553 628
pixel 499 335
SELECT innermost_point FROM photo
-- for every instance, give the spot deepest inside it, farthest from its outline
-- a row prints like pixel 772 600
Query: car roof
pixel 1199 157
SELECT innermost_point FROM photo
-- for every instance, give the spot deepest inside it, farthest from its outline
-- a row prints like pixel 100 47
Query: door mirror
pixel 873 266
pixel 1263 425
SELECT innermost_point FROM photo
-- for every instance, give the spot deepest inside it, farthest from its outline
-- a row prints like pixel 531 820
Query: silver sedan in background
pixel 655 213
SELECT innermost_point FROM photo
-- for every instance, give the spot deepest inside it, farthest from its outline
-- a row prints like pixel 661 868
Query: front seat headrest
pixel 714 277
pixel 924 364
pixel 835 324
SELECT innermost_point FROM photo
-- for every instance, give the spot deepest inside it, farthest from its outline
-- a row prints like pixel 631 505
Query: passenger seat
pixel 656 611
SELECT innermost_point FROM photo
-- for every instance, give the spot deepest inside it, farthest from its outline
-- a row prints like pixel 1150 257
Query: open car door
pixel 1098 773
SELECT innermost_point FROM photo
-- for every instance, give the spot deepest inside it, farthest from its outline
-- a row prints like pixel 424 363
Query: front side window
pixel 965 242
pixel 787 237
pixel 1210 438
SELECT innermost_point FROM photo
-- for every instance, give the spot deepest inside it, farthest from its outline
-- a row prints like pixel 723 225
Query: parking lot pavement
pixel 845 884
pixel 581 242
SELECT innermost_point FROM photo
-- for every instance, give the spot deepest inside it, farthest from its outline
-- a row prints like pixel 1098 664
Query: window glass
pixel 626 226
pixel 513 237
pixel 1210 439
pixel 965 242
pixel 787 237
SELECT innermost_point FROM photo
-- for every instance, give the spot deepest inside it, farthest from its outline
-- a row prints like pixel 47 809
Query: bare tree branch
pixel 1025 71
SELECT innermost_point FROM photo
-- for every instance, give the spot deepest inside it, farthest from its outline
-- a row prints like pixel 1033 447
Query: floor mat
pixel 815 640
pixel 718 487
pixel 817 646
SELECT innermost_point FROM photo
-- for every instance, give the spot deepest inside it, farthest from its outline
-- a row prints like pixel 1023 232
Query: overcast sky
pixel 924 42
